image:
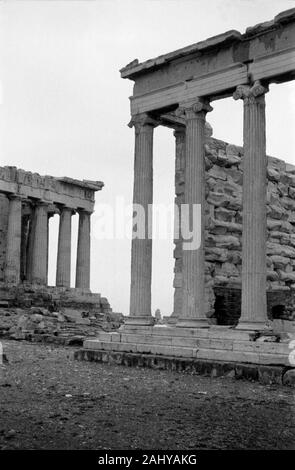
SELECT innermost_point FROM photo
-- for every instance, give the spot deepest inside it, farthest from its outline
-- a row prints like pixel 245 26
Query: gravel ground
pixel 50 401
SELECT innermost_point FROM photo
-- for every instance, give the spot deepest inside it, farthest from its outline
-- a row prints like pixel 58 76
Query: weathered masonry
pixel 177 90
pixel 27 201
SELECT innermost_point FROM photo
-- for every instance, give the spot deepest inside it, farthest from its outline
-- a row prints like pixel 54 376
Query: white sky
pixel 65 108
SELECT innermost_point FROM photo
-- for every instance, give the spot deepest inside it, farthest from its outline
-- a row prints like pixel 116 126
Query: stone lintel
pixel 88 184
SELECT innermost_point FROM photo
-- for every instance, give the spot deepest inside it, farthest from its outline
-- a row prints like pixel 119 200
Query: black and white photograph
pixel 147 232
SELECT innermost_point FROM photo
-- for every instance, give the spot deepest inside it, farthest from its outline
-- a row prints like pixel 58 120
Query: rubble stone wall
pixel 224 177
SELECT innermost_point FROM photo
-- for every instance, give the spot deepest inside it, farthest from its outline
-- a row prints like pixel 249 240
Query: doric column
pixel 193 273
pixel 83 251
pixel 30 245
pixel 63 269
pixel 254 311
pixel 141 248
pixel 13 246
pixel 24 243
pixel 40 242
pixel 179 135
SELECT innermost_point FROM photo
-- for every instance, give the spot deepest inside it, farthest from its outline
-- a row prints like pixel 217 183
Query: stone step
pixel 207 343
pixel 213 331
pixel 266 374
pixel 251 356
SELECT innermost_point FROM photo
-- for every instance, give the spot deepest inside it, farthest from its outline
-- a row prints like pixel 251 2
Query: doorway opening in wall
pixel 164 192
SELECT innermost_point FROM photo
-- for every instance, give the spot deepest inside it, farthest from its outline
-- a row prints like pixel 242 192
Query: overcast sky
pixel 65 108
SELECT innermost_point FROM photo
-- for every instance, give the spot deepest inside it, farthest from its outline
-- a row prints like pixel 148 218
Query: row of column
pixel 30 244
pixel 192 314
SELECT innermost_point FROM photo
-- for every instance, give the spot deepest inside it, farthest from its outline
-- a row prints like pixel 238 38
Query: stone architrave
pixel 193 275
pixel 254 308
pixel 141 248
pixel 83 251
pixel 13 246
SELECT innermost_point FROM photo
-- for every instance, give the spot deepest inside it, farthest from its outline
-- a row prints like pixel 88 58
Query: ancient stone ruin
pixel 247 207
pixel 31 308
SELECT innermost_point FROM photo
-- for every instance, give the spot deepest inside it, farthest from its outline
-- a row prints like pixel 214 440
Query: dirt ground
pixel 50 401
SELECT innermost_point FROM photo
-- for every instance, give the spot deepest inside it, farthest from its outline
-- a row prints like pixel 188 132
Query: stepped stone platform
pixel 218 350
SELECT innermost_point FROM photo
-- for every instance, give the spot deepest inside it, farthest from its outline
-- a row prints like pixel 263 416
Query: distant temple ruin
pixel 27 201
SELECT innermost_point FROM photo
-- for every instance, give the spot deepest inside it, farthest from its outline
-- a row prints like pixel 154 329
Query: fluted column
pixel 254 309
pixel 179 135
pixel 24 243
pixel 141 248
pixel 83 251
pixel 40 242
pixel 13 246
pixel 63 267
pixel 193 273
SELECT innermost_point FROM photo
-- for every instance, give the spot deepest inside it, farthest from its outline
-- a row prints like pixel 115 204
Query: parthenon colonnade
pixel 26 251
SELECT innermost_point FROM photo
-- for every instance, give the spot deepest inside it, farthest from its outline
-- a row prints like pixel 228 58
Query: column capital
pixel 142 121
pixel 199 107
pixel 250 93
pixel 63 208
pixel 16 197
pixel 81 210
pixel 41 203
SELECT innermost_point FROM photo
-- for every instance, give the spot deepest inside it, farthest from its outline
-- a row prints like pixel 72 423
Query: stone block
pixel 216 254
pixel 217 172
pixel 273 174
pixel 270 375
pixel 274 249
pixel 225 241
pixel 279 262
pixel 287 276
pixel 275 212
pixel 289 378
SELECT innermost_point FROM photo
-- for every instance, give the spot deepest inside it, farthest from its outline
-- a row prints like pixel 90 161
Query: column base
pixel 146 320
pixel 192 323
pixel 254 326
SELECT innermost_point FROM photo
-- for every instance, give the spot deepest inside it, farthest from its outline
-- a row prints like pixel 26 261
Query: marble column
pixel 13 245
pixel 30 245
pixel 141 247
pixel 24 244
pixel 39 252
pixel 179 135
pixel 83 251
pixel 63 269
pixel 193 272
pixel 254 308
